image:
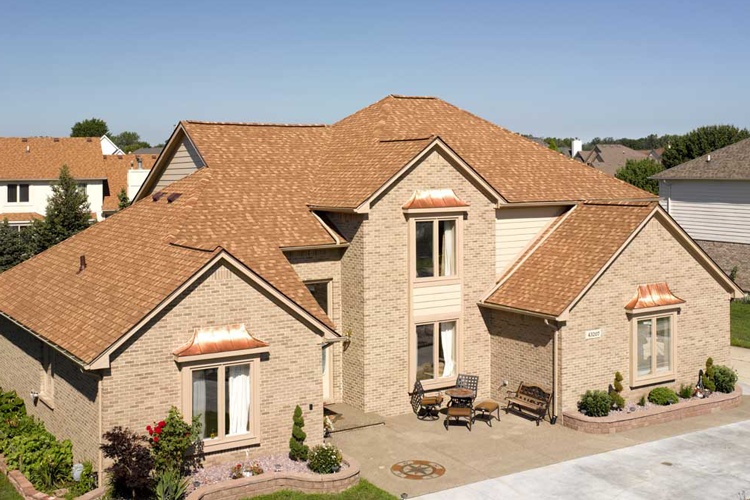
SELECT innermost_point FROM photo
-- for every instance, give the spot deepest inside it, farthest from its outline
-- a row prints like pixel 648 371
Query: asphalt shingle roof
pixel 731 163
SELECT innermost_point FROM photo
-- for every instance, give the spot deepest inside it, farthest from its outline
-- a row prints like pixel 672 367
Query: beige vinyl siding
pixel 437 300
pixel 515 228
pixel 710 210
pixel 184 162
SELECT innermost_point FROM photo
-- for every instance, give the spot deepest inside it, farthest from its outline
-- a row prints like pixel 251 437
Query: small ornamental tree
pixel 617 400
pixel 132 463
pixel 708 376
pixel 297 448
pixel 171 440
pixel 124 201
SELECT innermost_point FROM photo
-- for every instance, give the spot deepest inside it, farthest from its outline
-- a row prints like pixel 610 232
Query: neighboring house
pixel 29 166
pixel 609 158
pixel 148 151
pixel 268 266
pixel 709 197
pixel 654 154
pixel 109 147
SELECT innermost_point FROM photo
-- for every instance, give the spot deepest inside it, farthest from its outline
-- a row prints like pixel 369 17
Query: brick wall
pixel 386 294
pixel 144 380
pixel 701 330
pixel 521 351
pixel 75 415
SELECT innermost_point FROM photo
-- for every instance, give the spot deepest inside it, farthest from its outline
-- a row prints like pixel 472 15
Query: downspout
pixel 555 343
pixel 100 384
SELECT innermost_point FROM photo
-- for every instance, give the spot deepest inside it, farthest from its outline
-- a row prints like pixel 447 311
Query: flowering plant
pixel 236 472
pixel 171 441
pixel 255 469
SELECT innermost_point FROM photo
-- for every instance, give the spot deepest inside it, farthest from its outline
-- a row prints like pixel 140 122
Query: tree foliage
pixel 93 127
pixel 129 141
pixel 124 201
pixel 651 141
pixel 68 212
pixel 552 144
pixel 15 246
pixel 132 463
pixel 701 141
pixel 298 450
pixel 637 173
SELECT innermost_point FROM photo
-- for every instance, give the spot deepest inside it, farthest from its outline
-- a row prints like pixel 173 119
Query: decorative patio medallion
pixel 417 469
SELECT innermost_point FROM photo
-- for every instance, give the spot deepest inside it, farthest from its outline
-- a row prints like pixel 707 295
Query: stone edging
pixel 625 421
pixel 269 482
pixel 27 491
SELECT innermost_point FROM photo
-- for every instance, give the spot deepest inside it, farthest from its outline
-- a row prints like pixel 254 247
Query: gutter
pixel 545 316
pixel 315 247
pixel 45 341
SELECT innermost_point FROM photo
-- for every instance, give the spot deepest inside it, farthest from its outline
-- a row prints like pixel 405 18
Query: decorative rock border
pixel 269 482
pixel 621 421
pixel 27 491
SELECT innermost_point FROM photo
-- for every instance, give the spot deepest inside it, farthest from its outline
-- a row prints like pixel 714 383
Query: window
pixel 18 193
pixel 47 390
pixel 654 348
pixel 435 245
pixel 224 397
pixel 435 350
pixel 321 291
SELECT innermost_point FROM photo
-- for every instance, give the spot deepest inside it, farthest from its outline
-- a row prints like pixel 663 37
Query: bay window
pixel 653 348
pixel 435 350
pixel 435 245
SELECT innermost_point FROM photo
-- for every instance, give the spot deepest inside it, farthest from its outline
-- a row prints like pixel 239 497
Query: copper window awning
pixel 219 340
pixel 653 295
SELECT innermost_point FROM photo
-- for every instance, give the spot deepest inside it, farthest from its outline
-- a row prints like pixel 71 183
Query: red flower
pixel 149 429
pixel 187 434
pixel 162 423
pixel 156 439
pixel 157 430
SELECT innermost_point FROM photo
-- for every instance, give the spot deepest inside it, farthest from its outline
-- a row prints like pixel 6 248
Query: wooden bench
pixel 529 400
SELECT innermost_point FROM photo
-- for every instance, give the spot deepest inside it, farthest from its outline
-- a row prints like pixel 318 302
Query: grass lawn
pixel 740 314
pixel 7 491
pixel 362 491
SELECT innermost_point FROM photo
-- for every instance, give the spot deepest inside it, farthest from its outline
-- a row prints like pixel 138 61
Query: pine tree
pixel 297 447
pixel 122 196
pixel 68 212
pixel 14 246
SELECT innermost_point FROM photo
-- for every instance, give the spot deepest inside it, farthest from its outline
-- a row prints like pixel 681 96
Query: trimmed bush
pixel 595 404
pixel 708 375
pixel 618 402
pixel 662 396
pixel 686 391
pixel 325 459
pixel 297 448
pixel 724 379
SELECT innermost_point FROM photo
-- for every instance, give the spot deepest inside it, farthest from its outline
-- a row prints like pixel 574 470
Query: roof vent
pixel 172 197
pixel 83 264
pixel 24 139
pixel 140 163
pixel 28 150
pixel 56 139
pixel 88 139
pixel 157 196
pixel 709 158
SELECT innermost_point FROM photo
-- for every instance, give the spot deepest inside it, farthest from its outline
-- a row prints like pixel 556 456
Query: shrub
pixel 662 396
pixel 325 459
pixel 724 379
pixel 708 375
pixel 44 460
pixel 618 382
pixel 130 472
pixel 642 401
pixel 171 486
pixel 686 391
pixel 297 448
pixel 86 484
pixel 618 401
pixel 595 404
pixel 171 440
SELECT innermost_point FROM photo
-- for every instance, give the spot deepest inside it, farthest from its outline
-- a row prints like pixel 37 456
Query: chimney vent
pixel 24 139
pixel 83 264
pixel 709 158
pixel 576 146
pixel 140 163
pixel 88 139
pixel 56 139
pixel 28 150
pixel 157 196
pixel 172 197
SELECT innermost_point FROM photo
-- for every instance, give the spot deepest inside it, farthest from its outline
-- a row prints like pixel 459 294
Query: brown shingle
pixel 116 168
pixel 730 162
pixel 46 155
pixel 559 268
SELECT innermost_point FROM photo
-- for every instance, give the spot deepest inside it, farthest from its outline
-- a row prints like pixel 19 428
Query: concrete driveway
pixel 712 463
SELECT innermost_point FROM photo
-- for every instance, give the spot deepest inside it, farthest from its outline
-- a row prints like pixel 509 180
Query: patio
pixel 512 445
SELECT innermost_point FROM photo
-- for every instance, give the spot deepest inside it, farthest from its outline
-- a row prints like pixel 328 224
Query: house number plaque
pixel 593 334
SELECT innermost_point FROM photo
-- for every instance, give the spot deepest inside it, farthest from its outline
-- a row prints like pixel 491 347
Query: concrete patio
pixel 512 445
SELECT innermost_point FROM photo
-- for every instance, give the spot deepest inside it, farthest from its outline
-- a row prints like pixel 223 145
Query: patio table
pixel 460 397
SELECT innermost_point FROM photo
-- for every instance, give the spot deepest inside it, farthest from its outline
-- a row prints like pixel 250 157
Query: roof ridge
pixel 257 124
pixel 408 139
pixel 401 96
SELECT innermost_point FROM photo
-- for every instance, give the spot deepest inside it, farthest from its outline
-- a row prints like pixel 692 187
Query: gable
pixel 184 161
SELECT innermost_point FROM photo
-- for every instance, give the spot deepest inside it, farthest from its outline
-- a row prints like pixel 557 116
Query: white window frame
pixel 47 384
pixel 222 441
pixel 18 193
pixel 653 377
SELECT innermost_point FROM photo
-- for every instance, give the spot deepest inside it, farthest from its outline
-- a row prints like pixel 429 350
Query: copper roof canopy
pixel 654 295
pixel 434 198
pixel 219 340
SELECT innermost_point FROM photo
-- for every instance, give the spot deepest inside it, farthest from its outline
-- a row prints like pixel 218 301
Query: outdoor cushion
pixel 488 406
pixel 432 400
pixel 459 411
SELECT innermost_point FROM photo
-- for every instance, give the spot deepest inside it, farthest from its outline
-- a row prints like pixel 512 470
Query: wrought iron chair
pixel 470 382
pixel 425 407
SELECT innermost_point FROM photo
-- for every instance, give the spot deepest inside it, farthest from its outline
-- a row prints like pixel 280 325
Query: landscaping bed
pixel 618 421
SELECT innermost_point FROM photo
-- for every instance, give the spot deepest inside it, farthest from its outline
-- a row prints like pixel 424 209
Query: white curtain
pixel 239 398
pixel 447 332
pixel 199 397
pixel 448 248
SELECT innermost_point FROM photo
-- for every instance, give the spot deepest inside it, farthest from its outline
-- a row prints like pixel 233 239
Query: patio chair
pixel 457 413
pixel 425 407
pixel 470 382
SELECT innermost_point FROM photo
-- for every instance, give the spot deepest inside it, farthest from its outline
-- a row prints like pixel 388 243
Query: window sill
pixel 48 401
pixel 653 379
pixel 211 445
pixel 438 384
pixel 442 280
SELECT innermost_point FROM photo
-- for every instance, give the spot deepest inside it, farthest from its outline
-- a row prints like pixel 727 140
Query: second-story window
pixel 435 248
pixel 18 193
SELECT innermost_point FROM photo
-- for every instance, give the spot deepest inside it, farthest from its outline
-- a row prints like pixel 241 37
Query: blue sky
pixel 549 68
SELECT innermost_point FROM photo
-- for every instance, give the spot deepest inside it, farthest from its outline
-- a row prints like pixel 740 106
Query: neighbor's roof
pixel 569 256
pixel 731 163
pixel 367 148
pixel 116 168
pixel 21 216
pixel 40 158
pixel 613 157
pixel 251 199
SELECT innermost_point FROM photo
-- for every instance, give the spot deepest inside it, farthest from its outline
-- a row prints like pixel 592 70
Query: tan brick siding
pixel 701 330
pixel 144 380
pixel 521 352
pixel 386 293
pixel 75 415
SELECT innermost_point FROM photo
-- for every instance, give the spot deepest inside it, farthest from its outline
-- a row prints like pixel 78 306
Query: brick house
pixel 265 266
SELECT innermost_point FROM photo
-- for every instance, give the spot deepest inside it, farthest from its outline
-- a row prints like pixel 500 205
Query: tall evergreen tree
pixel 15 246
pixel 68 212
pixel 124 201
